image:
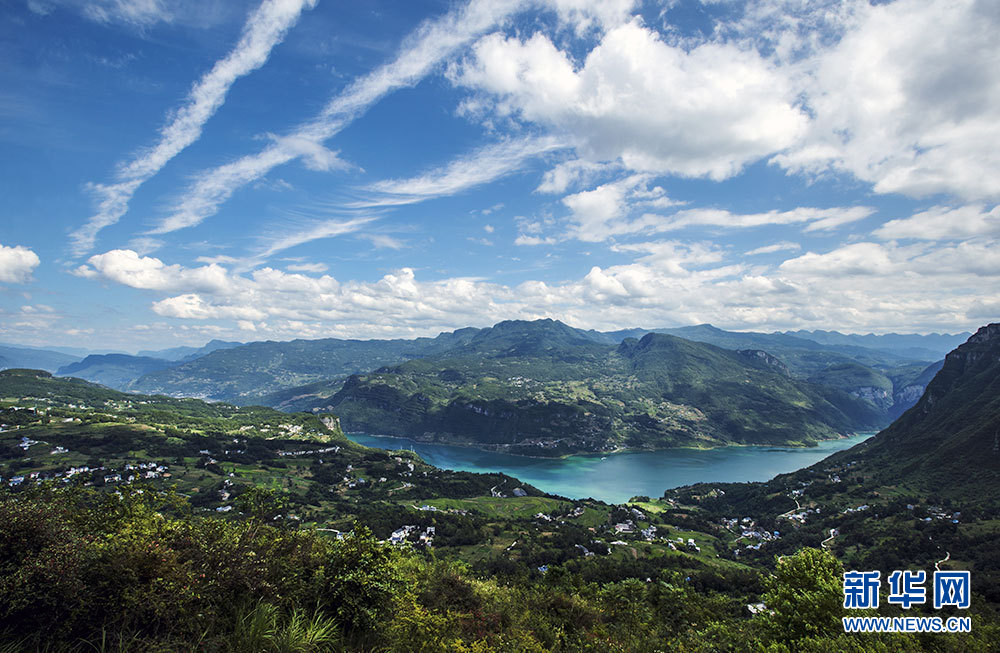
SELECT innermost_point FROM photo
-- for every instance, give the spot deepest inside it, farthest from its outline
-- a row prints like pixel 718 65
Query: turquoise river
pixel 615 478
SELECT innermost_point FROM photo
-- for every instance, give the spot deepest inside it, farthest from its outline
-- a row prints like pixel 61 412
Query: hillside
pixel 547 389
pixel 924 490
pixel 949 440
pixel 152 523
pixel 301 374
pixel 825 359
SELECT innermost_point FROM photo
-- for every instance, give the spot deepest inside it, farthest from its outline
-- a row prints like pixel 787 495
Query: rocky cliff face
pixel 877 396
pixel 767 359
pixel 948 440
pixel 980 353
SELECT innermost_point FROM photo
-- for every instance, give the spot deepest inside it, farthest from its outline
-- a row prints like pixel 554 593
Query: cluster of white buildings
pixel 403 533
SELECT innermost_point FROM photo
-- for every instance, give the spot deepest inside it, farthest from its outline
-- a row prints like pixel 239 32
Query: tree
pixel 804 598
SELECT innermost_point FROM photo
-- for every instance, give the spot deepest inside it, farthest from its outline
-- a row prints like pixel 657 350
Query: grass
pixel 507 507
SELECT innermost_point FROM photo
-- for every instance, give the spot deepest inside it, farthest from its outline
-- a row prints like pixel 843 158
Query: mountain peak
pixel 990 332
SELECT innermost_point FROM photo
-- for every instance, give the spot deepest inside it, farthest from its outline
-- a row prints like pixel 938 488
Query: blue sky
pixel 180 171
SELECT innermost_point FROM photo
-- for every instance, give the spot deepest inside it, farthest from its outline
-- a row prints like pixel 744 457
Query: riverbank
pixel 502 449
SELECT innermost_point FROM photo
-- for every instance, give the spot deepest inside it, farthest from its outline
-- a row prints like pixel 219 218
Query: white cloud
pixel 145 245
pixel 586 15
pixel 908 100
pixel 857 259
pixel 137 12
pixel 480 167
pixel 265 28
pixel 603 212
pixel 814 219
pixel 531 241
pixel 717 106
pixel 381 241
pixel 17 263
pixel 783 246
pixel 316 231
pixel 944 223
pixel 431 43
pixel 858 287
pixel 315 268
pixel 571 173
pixel 128 268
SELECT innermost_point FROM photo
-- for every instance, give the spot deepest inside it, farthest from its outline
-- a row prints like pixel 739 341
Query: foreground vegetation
pixel 137 570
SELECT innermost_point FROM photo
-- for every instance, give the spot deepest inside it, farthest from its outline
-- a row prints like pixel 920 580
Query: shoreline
pixel 614 452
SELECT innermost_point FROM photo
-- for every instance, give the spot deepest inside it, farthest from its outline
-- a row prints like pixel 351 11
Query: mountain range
pixel 854 382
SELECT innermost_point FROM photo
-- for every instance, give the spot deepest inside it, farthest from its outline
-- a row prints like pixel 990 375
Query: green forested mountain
pixel 303 373
pixel 545 388
pixel 950 440
pixel 924 490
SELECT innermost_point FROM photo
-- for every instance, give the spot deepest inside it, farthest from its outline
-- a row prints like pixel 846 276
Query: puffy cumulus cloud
pixel 858 287
pixel 603 212
pixel 908 99
pixel 17 263
pixel 128 268
pixel 701 112
pixel 570 173
pixel 944 223
pixel 857 259
pixel 191 306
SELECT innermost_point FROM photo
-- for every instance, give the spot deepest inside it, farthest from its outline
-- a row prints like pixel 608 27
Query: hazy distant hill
pixel 39 359
pixel 931 346
pixel 188 353
pixel 246 373
pixel 803 356
pixel 546 388
pixel 118 371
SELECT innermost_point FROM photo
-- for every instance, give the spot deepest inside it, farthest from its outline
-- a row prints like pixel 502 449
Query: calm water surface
pixel 618 477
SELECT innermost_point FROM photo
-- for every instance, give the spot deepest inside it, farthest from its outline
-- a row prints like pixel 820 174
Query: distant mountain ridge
pixel 26 357
pixel 116 371
pixel 929 346
pixel 546 388
pixel 248 372
pixel 183 354
pixel 295 374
